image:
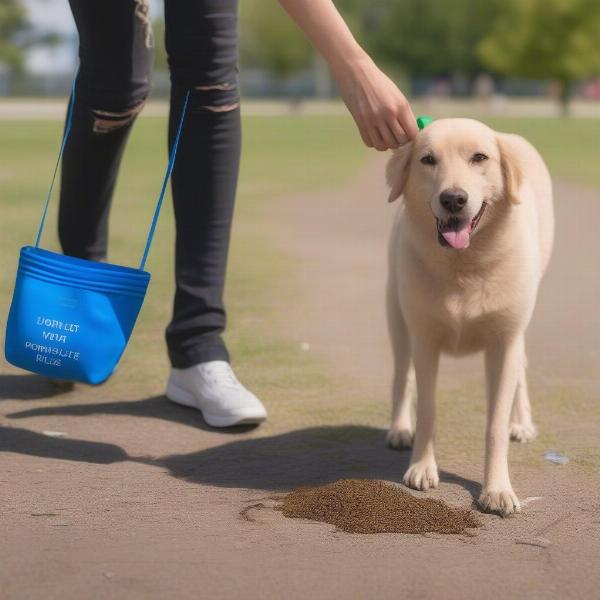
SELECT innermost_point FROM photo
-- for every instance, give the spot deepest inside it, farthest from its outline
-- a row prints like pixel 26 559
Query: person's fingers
pixel 399 134
pixel 388 137
pixel 377 140
pixel 407 120
pixel 364 134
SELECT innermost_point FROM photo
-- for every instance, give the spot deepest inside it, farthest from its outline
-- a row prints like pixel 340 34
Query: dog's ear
pixel 397 171
pixel 512 172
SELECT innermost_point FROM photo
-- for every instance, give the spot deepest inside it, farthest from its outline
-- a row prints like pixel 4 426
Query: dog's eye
pixel 478 157
pixel 429 159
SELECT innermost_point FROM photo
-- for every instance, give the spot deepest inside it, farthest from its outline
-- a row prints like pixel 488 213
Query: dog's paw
pixel 503 502
pixel 422 476
pixel 522 433
pixel 399 438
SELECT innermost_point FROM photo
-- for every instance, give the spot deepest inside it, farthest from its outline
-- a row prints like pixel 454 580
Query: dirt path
pixel 139 500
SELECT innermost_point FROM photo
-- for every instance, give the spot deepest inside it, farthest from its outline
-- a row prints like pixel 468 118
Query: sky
pixel 55 16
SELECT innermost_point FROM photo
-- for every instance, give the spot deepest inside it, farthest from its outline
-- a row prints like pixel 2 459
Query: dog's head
pixel 451 174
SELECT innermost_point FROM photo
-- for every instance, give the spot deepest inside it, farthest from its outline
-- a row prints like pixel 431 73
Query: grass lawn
pixel 571 147
pixel 282 155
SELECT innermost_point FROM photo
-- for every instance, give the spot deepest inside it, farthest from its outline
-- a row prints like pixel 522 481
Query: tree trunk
pixel 566 89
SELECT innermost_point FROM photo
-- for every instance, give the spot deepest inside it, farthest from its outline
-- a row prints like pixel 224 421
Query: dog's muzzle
pixel 455 232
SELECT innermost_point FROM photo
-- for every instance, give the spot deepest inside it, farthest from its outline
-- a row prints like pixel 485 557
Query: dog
pixel 468 249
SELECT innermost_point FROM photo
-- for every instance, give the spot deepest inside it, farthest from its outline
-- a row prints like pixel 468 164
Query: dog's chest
pixel 471 308
pixel 467 305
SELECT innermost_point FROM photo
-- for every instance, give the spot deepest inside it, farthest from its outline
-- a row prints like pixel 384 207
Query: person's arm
pixel 382 113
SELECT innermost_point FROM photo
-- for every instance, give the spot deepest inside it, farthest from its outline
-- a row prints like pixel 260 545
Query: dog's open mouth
pixel 456 232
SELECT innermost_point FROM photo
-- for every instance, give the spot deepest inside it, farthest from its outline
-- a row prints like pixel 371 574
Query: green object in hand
pixel 423 121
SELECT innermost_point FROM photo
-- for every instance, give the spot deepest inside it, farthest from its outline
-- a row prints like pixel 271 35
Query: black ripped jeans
pixel 113 82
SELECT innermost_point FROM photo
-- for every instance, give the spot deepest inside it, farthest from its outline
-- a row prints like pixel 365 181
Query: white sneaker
pixel 213 389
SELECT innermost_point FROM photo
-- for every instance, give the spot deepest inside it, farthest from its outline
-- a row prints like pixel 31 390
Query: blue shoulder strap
pixel 68 126
pixel 60 153
pixel 165 182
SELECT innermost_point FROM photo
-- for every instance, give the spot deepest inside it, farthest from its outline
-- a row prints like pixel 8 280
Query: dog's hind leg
pixel 521 426
pixel 401 432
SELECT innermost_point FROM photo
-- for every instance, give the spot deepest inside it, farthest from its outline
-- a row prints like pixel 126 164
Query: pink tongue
pixel 458 239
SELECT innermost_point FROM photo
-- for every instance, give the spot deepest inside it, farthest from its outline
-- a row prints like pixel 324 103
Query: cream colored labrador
pixel 468 249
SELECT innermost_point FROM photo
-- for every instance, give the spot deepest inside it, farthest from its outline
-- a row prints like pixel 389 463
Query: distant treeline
pixel 556 40
pixel 414 40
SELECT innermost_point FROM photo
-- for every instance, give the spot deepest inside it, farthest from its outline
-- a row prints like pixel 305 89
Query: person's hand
pixel 382 113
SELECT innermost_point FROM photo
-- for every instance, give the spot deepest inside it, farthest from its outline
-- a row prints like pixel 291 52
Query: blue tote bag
pixel 71 318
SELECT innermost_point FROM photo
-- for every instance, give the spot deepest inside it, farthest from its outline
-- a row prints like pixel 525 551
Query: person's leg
pixel 202 45
pixel 112 85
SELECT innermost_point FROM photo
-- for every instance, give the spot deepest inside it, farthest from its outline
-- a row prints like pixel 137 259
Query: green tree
pixel 546 39
pixel 12 21
pixel 430 37
pixel 271 40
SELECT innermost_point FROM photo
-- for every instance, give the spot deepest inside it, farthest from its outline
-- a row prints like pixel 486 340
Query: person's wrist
pixel 349 63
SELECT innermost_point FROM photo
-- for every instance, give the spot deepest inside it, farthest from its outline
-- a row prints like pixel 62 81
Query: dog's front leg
pixel 503 361
pixel 422 473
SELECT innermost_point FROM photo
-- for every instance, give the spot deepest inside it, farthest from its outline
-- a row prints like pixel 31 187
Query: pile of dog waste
pixel 374 506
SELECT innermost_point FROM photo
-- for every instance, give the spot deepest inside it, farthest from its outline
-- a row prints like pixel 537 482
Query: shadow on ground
pixel 156 407
pixel 302 457
pixel 23 441
pixel 31 387
pixel 277 463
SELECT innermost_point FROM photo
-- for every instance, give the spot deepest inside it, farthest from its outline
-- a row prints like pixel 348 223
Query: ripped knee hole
pixel 218 87
pixel 106 121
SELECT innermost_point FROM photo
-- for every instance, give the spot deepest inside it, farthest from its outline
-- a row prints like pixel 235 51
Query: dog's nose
pixel 453 199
